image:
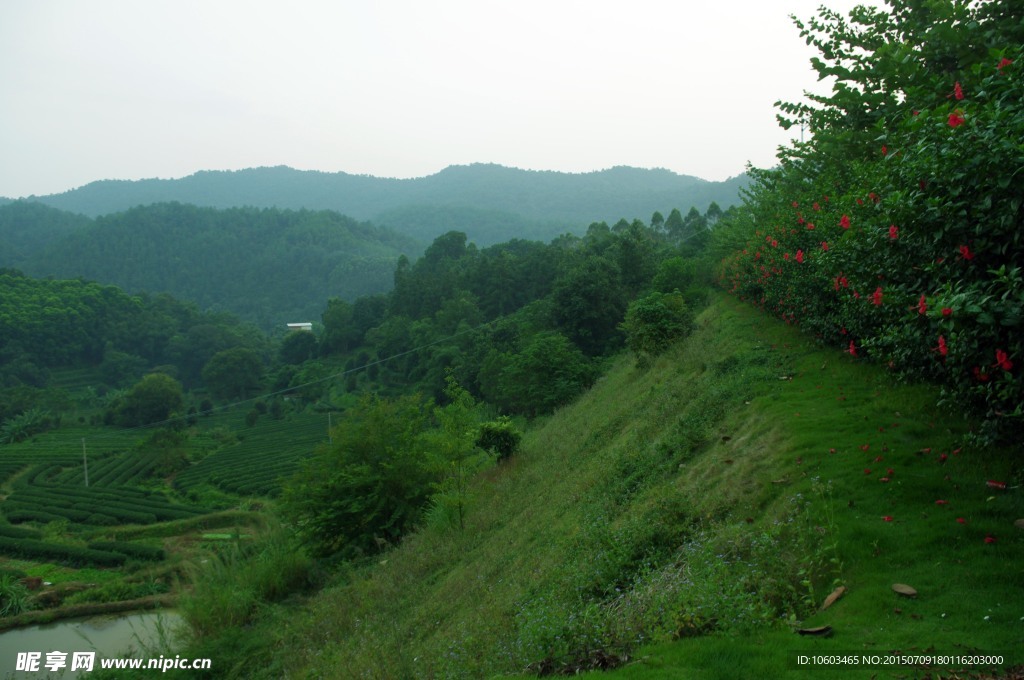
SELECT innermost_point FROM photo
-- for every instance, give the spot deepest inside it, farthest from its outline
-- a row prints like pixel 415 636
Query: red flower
pixel 1003 361
pixel 887 518
pixel 940 502
pixel 876 297
pixel 795 204
pixel 922 307
pixel 965 252
pixel 894 232
pixel 989 538
pixel 943 350
pixel 956 120
pixel 865 447
pixel 816 206
pixel 961 520
pixel 884 480
pixel 844 222
pixel 800 256
pixel 1004 62
pixel 874 197
pixel 824 245
pixel 958 91
pixel 853 349
pixel 884 149
pixel 995 485
pixel 947 311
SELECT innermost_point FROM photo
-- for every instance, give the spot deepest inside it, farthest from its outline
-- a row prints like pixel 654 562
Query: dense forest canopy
pixel 268 266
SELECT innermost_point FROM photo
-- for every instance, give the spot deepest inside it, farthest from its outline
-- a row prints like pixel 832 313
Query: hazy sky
pixel 112 89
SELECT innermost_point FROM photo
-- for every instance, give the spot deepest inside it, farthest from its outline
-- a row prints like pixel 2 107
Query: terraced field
pixel 269 452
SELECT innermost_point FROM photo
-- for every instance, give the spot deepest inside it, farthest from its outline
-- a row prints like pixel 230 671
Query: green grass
pixel 687 517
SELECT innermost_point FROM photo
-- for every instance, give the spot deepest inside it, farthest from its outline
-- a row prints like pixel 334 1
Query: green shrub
pixel 897 232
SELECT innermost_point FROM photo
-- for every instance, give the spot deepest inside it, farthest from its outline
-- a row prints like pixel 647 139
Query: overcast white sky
pixel 128 89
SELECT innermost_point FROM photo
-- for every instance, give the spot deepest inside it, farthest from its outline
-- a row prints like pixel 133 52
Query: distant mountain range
pixel 491 203
pixel 273 244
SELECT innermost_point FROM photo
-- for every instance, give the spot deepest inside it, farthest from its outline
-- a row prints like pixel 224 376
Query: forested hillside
pixel 268 266
pixel 519 203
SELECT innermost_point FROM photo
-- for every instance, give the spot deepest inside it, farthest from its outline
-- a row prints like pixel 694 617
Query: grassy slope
pixel 699 496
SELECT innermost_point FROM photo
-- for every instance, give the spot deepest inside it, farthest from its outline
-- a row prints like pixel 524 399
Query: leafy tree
pixel 654 322
pixel 297 346
pixel 589 303
pixel 500 437
pixel 153 399
pixel 370 486
pixel 675 226
pixel 455 449
pixel 657 221
pixel 120 369
pixel 233 372
pixel 339 334
pixel 549 372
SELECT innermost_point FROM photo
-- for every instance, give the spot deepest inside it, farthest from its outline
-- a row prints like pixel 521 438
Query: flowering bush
pixel 897 232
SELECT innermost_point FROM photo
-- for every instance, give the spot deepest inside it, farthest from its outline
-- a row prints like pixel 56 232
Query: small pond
pixel 109 636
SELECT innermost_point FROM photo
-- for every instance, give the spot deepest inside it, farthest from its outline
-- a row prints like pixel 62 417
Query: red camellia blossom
pixel 942 348
pixel 824 246
pixel 853 349
pixel 961 520
pixel 989 538
pixel 800 256
pixel 1003 361
pixel 1003 63
pixel 815 206
pixel 887 518
pixel 844 222
pixel 958 91
pixel 965 252
pixel 956 120
pixel 876 297
pixel 941 502
pixel 979 375
pixel 922 306
pixel 894 232
pixel 884 150
pixel 947 311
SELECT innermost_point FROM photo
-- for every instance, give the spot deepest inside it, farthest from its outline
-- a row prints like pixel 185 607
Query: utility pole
pixel 85 462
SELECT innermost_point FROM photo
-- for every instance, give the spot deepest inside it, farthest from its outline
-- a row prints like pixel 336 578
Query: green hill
pixel 267 266
pixel 685 521
pixel 508 202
